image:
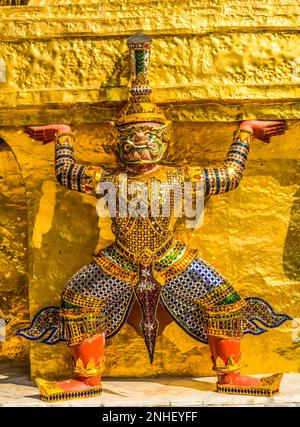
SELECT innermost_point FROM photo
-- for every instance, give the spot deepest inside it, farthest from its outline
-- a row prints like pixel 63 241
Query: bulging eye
pixel 151 136
pixel 127 146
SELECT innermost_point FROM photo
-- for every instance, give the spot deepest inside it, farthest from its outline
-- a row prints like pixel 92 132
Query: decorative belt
pixel 146 255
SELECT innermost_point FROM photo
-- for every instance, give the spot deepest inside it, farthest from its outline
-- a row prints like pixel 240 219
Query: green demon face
pixel 142 143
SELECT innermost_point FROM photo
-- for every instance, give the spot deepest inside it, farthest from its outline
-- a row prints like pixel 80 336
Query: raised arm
pixel 68 172
pixel 229 175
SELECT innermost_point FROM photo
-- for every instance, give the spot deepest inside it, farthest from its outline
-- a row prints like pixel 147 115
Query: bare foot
pixel 240 380
pixel 75 384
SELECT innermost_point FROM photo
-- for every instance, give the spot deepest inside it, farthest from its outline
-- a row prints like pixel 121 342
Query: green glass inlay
pixel 140 61
pixel 119 259
pixel 69 305
pixel 230 299
pixel 169 258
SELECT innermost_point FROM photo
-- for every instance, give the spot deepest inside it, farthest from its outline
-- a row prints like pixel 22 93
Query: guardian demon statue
pixel 146 277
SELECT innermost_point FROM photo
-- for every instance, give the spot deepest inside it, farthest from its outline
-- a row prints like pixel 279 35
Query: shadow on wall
pixel 67 246
pixel 291 253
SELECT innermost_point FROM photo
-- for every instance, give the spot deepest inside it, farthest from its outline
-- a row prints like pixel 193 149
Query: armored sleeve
pixel 68 172
pixel 229 175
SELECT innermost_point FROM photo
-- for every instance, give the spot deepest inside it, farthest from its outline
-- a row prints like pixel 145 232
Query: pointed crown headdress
pixel 139 107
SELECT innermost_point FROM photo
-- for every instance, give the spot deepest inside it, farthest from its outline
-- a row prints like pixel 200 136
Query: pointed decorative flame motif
pixel 222 368
pixel 147 293
pixel 90 369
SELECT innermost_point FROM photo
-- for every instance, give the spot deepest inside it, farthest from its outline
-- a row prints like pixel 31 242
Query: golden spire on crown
pixel 139 107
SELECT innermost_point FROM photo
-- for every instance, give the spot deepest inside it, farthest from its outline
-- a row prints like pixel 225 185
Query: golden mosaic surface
pixel 13 256
pixel 212 65
pixel 212 54
pixel 250 235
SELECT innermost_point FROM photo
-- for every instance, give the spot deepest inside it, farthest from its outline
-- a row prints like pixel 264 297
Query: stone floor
pixel 16 389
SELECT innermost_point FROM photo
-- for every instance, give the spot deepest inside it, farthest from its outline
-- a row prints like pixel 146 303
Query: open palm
pixel 265 129
pixel 46 133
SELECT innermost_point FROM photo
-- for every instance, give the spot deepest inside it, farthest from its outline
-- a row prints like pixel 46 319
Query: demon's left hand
pixel 264 129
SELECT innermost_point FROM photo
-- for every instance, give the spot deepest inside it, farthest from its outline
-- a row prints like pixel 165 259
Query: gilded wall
pixel 13 256
pixel 213 64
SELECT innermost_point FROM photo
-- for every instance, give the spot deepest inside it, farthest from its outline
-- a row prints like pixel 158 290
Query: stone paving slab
pixel 16 389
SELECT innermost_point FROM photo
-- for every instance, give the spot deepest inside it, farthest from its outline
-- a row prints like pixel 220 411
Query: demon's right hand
pixel 46 133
